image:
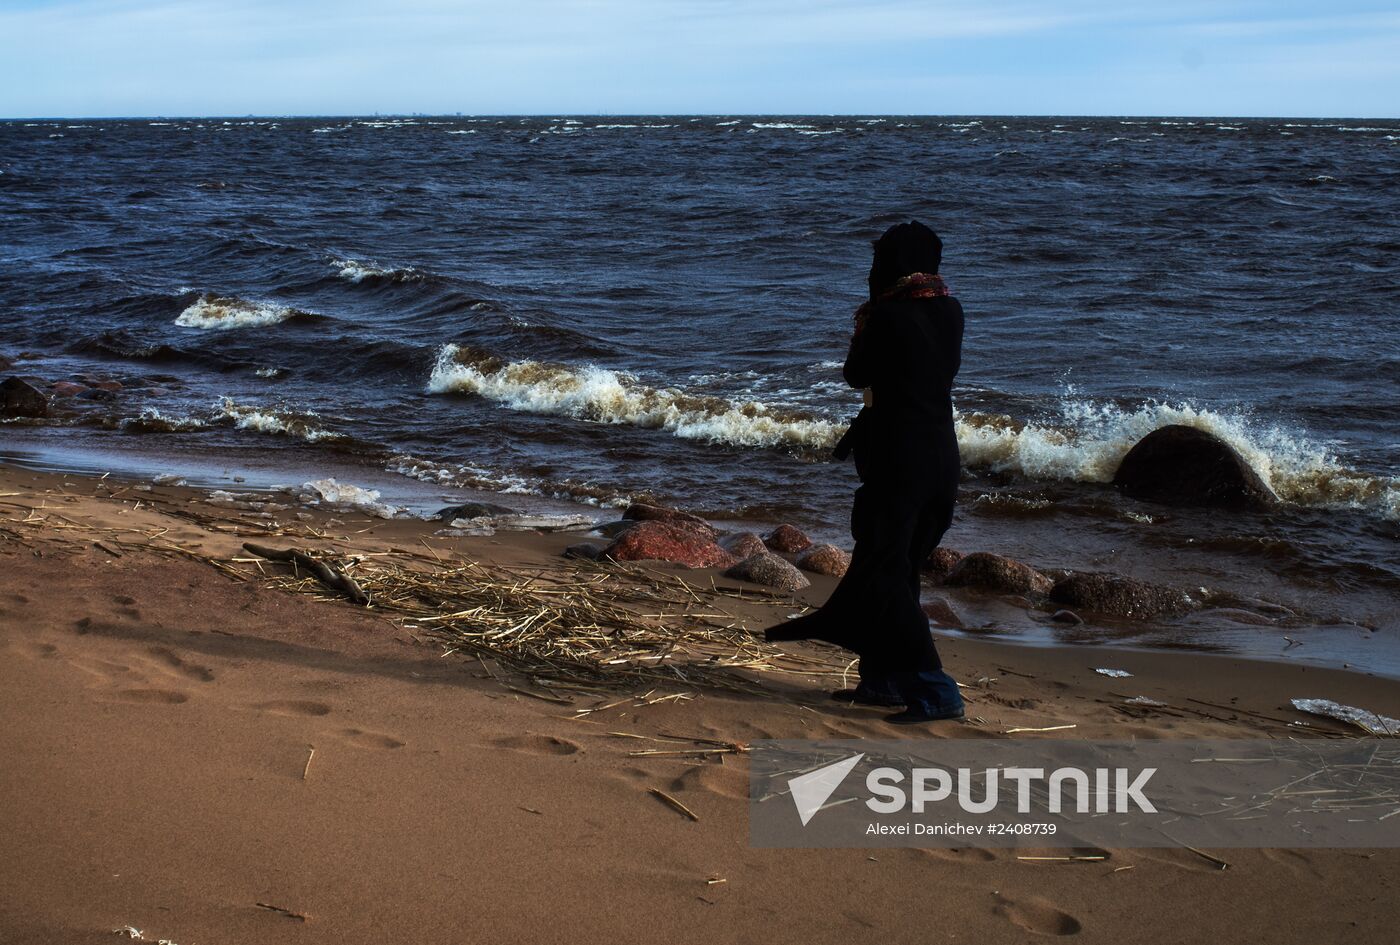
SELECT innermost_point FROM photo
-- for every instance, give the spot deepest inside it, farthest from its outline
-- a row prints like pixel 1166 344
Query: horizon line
pixel 685 114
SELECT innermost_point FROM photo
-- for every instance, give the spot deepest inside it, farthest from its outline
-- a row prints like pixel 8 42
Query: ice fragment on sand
pixel 331 494
pixel 1372 722
pixel 1115 673
pixel 1143 700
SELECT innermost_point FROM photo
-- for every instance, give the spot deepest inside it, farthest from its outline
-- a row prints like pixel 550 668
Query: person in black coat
pixel 905 352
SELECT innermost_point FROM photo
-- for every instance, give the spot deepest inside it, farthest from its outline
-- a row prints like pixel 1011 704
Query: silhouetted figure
pixel 905 352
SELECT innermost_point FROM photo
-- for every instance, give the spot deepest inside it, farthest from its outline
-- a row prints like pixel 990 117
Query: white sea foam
pixel 474 477
pixel 1090 440
pixel 152 420
pixel 303 425
pixel 357 272
pixel 1084 443
pixel 601 395
pixel 221 313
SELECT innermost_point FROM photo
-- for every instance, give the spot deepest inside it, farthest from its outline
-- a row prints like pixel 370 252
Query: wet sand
pixel 210 759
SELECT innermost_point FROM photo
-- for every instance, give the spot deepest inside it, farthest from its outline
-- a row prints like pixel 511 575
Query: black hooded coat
pixel 906 454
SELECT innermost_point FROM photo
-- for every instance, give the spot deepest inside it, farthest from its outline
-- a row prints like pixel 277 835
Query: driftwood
pixel 335 580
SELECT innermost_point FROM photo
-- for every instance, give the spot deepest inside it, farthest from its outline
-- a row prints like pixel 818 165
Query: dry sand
pixel 213 760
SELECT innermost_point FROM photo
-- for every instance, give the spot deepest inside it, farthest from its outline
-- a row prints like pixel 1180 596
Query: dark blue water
pixel 604 308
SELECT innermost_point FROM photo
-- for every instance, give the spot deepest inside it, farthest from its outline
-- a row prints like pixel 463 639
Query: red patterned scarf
pixel 916 285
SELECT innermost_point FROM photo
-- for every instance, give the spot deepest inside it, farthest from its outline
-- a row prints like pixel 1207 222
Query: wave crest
pixel 605 396
pixel 221 313
pixel 1093 439
pixel 358 272
pixel 267 420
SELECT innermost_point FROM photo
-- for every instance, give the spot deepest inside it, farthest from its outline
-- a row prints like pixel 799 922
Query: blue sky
pixel 1083 57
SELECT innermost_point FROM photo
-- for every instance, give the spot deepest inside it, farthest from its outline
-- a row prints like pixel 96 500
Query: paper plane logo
pixel 811 790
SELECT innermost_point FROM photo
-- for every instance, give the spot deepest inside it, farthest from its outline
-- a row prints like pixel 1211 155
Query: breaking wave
pixel 1084 444
pixel 1091 440
pixel 302 425
pixel 221 313
pixel 358 272
pixel 605 396
pixel 151 420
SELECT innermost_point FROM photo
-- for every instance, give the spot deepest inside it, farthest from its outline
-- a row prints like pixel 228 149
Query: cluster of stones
pixel 656 533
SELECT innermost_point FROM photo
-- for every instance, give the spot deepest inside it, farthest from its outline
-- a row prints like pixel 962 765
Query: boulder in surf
pixel 941 612
pixel 998 574
pixel 743 545
pixel 1114 595
pixel 21 399
pixel 788 539
pixel 473 510
pixel 824 559
pixel 1181 465
pixel 613 529
pixel 668 541
pixel 769 570
pixel 642 512
pixel 941 562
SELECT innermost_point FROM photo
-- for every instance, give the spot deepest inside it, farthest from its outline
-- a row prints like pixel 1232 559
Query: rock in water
pixel 1117 596
pixel 824 559
pixel 941 562
pixel 743 545
pixel 613 529
pixel 585 549
pixel 769 570
pixel 473 510
pixel 787 538
pixel 941 612
pixel 641 512
pixel 989 572
pixel 1181 465
pixel 668 541
pixel 21 399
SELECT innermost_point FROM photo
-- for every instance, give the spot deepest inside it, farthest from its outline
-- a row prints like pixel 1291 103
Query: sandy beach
pixel 198 749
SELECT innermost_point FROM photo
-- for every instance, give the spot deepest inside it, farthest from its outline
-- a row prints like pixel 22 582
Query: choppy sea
pixel 587 309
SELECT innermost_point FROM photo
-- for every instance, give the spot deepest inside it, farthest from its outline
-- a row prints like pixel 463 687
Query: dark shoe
pixel 920 711
pixel 863 696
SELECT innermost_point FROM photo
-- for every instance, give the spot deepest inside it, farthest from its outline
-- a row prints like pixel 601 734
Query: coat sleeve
pixel 864 356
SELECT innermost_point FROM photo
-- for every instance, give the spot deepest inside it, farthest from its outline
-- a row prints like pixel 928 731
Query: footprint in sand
pixel 538 744
pixel 1037 915
pixel 169 658
pixel 297 708
pixel 42 651
pixel 724 780
pixel 364 739
pixel 153 696
pixel 104 669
